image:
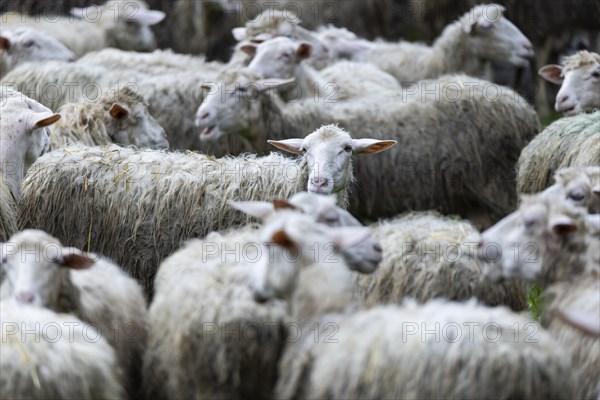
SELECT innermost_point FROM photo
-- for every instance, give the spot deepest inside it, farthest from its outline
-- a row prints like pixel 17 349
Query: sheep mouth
pixel 208 132
pixel 569 111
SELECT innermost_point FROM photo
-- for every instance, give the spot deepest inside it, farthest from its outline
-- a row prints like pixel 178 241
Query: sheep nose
pixel 528 46
pixel 319 181
pixel 377 248
pixel 563 99
pixel 481 244
pixel 25 297
pixel 204 116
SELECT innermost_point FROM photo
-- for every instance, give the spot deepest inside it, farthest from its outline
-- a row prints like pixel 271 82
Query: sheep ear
pixel 147 17
pixel 257 209
pixel 249 49
pixel 76 261
pixel 118 112
pixel 208 88
pixel 281 238
pixel 42 119
pixel 280 204
pixel 4 43
pixel 371 146
pixel 265 84
pixel 589 324
pixel 304 50
pixel 552 73
pixel 290 145
pixel 348 236
pixel 239 33
pixel 596 190
pixel 562 225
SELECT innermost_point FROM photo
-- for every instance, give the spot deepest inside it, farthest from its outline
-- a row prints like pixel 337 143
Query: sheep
pixel 25 136
pixel 569 141
pixel 120 118
pixel 166 198
pixel 40 272
pixel 447 158
pixel 283 58
pixel 116 23
pixel 203 290
pixel 48 355
pixel 579 80
pixel 429 256
pixel 547 241
pixel 29 45
pixel 340 351
pixel 482 34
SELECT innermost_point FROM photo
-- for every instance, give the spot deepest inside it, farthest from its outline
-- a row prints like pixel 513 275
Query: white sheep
pixel 48 355
pixel 568 141
pixel 482 34
pixel 547 240
pixel 28 45
pixel 41 272
pixel 398 351
pixel 124 24
pixel 25 136
pixel 283 58
pixel 579 81
pixel 447 158
pixel 203 305
pixel 167 198
pixel 121 118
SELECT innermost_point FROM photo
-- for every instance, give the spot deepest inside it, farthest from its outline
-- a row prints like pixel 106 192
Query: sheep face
pixel 29 45
pixel 327 152
pixel 494 38
pixel 524 244
pixel 294 241
pixel 365 256
pixel 33 262
pixel 581 186
pixel 580 87
pixel 276 58
pixel 232 108
pixel 135 126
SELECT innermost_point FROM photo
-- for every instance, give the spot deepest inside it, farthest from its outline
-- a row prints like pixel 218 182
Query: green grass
pixel 535 302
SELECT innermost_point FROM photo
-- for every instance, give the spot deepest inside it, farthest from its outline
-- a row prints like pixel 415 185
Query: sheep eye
pixel 529 223
pixel 28 43
pixel 596 74
pixel 348 148
pixel 302 150
pixel 576 196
